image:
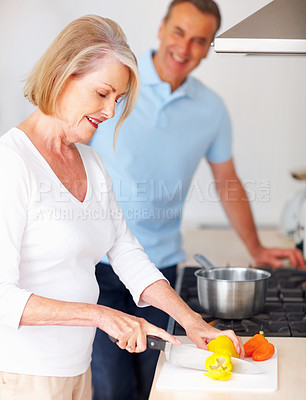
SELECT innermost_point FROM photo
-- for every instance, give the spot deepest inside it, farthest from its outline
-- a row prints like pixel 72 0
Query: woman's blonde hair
pixel 77 50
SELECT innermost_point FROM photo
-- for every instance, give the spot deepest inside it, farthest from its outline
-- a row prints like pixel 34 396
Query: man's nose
pixel 185 46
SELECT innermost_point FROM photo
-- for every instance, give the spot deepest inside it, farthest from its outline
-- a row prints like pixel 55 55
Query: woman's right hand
pixel 131 332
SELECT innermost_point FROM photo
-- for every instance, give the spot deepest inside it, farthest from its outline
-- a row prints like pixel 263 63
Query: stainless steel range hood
pixel 277 28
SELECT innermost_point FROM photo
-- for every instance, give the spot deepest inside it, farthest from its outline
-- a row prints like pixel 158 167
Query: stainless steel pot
pixel 230 292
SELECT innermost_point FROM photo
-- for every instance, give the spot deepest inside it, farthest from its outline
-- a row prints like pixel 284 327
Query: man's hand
pixel 237 208
pixel 276 257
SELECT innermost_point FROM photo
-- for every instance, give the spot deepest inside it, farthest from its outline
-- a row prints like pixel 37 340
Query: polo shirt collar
pixel 150 77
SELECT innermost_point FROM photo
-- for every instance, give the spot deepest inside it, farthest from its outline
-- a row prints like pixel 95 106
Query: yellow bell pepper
pixel 218 366
pixel 223 344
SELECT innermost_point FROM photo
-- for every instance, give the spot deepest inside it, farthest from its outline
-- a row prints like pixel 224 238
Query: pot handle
pixel 205 264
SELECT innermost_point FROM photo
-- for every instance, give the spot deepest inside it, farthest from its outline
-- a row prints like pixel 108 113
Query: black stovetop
pixel 283 315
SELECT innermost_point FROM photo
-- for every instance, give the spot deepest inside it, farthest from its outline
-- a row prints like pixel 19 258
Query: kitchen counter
pixel 223 247
pixel 291 376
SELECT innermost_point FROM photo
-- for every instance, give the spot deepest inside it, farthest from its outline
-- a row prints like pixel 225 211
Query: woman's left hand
pixel 161 295
pixel 201 333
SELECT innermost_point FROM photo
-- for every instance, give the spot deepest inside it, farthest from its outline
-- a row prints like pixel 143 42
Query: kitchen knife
pixel 189 356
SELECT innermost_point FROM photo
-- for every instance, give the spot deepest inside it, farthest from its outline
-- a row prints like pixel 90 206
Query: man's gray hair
pixel 205 6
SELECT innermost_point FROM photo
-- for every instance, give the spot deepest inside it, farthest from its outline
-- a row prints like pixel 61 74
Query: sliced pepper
pixel 219 366
pixel 218 375
pixel 223 344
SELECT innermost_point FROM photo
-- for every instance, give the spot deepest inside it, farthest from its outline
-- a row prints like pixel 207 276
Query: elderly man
pixel 177 121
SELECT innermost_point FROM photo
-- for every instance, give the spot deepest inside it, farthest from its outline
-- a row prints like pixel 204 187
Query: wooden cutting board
pixel 178 378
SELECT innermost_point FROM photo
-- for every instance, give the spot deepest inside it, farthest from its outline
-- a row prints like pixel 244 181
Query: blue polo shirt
pixel 158 150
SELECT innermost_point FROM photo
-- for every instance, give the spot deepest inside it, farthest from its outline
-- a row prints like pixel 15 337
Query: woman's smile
pixel 94 122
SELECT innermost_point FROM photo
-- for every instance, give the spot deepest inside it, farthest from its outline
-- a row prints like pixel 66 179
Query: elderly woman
pixel 59 217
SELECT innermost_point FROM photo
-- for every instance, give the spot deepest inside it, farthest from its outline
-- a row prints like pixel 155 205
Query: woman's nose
pixel 109 110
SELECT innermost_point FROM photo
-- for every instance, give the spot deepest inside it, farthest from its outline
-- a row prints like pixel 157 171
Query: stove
pixel 283 315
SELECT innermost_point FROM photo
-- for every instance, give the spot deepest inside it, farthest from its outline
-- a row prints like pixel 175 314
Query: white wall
pixel 266 95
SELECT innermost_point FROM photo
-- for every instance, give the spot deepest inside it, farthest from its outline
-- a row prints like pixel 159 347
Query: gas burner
pixel 283 315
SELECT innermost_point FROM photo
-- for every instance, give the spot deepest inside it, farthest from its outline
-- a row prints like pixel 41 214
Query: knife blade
pixel 189 356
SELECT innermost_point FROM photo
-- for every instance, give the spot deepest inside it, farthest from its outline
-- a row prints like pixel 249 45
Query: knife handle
pixel 156 343
pixel 153 342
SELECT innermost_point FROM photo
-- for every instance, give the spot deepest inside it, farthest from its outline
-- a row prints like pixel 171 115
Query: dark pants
pixel 118 374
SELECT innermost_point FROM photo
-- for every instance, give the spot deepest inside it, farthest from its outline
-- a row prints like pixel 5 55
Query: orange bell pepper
pixel 259 348
pixel 252 344
pixel 263 352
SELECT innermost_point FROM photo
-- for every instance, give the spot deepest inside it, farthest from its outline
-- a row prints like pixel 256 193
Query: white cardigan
pixel 50 243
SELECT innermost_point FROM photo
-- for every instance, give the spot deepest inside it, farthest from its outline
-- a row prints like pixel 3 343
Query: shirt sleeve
pixel 13 216
pixel 220 149
pixel 127 256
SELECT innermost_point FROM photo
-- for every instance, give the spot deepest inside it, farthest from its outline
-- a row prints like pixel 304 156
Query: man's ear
pixel 205 53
